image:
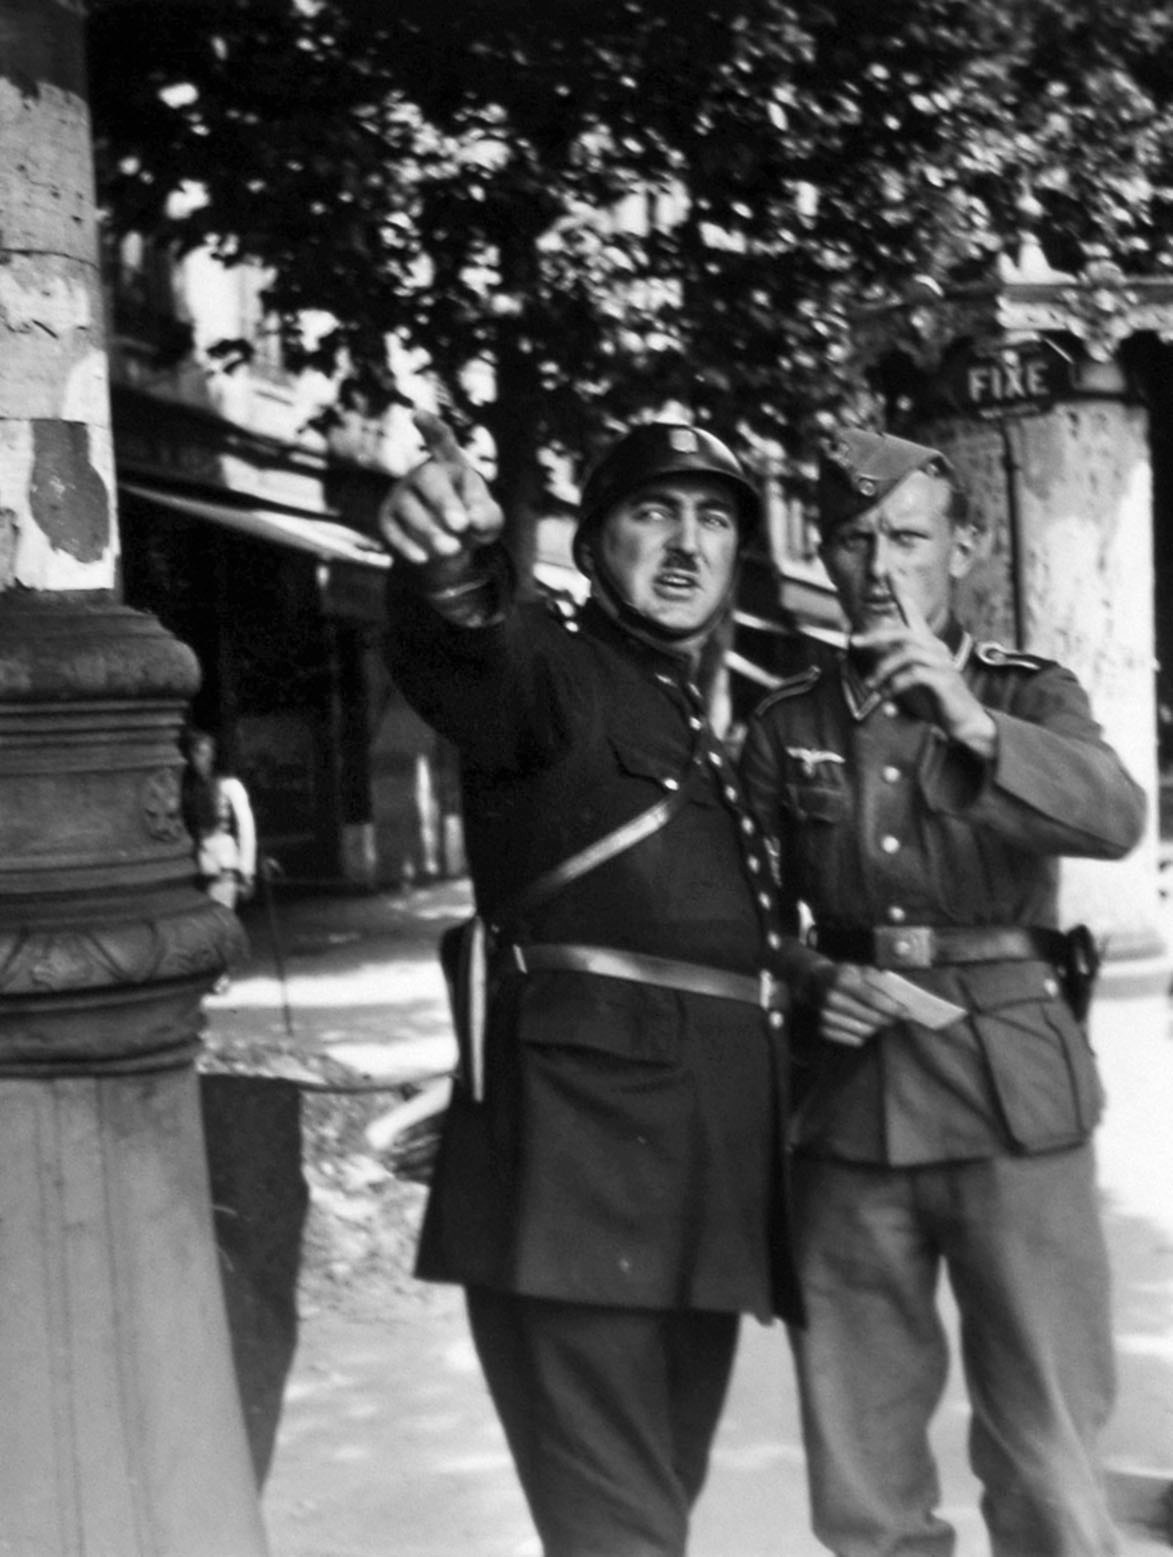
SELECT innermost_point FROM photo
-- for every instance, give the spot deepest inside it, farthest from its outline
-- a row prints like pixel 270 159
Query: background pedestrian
pixel 219 817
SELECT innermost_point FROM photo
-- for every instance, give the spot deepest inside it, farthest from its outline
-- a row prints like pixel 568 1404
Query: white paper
pixel 919 1005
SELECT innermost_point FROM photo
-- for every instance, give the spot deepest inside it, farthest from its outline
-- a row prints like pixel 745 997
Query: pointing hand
pixel 914 666
pixel 443 507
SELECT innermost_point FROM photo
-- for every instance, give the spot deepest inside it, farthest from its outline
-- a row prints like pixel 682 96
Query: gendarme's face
pixel 670 547
pixel 909 536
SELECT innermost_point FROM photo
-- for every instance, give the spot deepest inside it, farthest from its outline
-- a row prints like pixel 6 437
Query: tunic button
pixel 889 844
pixel 889 710
pixel 773 940
pixel 1050 987
pixel 765 900
pixel 891 774
pixel 754 863
pixel 776 1020
pixel 695 724
pixel 902 948
pixel 730 792
pixel 715 758
pixel 896 914
pixel 671 783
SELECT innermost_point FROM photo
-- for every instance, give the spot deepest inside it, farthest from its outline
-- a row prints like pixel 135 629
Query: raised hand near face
pixel 441 508
pixel 912 664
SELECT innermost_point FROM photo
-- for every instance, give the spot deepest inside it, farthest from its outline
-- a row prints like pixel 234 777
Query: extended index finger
pixel 447 458
pixel 913 617
pixel 451 486
pixel 440 440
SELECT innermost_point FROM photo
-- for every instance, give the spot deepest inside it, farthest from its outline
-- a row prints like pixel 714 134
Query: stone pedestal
pixel 122 1430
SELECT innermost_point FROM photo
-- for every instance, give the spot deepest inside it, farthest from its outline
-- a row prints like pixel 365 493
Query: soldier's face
pixel 670 549
pixel 908 536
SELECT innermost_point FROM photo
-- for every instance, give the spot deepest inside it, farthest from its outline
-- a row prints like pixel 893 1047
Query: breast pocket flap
pixel 817 802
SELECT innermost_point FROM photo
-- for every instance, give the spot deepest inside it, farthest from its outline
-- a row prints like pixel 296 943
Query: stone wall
pixel 1082 494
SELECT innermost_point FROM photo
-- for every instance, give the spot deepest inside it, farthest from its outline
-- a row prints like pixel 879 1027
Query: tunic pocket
pixel 665 768
pixel 816 802
pixel 1041 1065
pixel 814 785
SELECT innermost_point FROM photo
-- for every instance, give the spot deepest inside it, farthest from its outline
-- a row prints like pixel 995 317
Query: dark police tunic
pixel 629 1147
pixel 880 821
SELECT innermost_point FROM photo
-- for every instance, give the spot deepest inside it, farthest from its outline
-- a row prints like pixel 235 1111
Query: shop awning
pixel 325 539
pixel 755 673
pixel 744 664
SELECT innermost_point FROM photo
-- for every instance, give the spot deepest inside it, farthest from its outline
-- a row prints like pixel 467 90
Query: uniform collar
pixel 862 700
pixel 659 658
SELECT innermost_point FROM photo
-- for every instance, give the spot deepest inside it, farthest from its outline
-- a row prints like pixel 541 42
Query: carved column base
pixel 122 1429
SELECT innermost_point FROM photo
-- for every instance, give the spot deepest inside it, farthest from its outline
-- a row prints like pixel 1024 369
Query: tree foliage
pixel 624 203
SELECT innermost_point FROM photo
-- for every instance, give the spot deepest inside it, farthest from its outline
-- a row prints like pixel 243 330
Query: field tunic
pixel 879 820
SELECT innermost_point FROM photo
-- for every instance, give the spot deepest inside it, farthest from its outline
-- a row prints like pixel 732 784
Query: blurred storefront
pixel 260 556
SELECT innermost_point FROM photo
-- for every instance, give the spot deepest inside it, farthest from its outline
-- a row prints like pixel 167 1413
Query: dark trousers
pixel 1021 1240
pixel 610 1414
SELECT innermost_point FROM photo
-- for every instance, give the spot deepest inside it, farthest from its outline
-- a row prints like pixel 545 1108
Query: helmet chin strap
pixel 686 642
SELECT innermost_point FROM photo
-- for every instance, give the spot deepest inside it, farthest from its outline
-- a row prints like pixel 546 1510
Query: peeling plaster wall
pixel 57 528
pixel 986 598
pixel 1084 496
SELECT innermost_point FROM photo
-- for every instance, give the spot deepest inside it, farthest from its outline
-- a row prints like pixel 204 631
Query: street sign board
pixel 1010 380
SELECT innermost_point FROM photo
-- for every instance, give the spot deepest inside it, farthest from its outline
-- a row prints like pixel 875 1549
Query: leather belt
pixel 929 946
pixel 762 990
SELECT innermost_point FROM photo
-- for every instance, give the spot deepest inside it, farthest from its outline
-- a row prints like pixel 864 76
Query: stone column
pixel 1064 495
pixel 1062 481
pixel 121 1430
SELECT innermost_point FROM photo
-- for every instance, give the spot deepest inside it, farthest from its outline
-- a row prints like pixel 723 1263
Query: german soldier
pixel 609 1189
pixel 921 789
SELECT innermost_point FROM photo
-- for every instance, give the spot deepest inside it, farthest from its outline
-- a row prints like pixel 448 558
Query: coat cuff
pixel 472 590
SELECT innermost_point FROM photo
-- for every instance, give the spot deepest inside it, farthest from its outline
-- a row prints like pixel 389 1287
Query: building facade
pixel 250 533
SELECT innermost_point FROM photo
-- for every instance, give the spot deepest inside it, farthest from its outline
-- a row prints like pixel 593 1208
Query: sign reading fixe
pixel 1010 379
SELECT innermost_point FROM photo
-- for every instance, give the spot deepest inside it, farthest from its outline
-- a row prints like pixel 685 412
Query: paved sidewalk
pixel 387 1445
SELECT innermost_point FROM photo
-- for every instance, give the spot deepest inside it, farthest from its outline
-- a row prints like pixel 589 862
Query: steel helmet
pixel 661 449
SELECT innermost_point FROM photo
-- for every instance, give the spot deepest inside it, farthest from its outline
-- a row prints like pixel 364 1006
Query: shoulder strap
pixel 999 657
pixel 552 881
pixel 621 838
pixel 789 686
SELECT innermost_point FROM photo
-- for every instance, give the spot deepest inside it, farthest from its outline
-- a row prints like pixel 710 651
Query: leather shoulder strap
pixel 552 881
pixel 623 837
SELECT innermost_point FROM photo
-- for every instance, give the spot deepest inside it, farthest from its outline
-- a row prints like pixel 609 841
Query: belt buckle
pixel 904 946
pixel 768 987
